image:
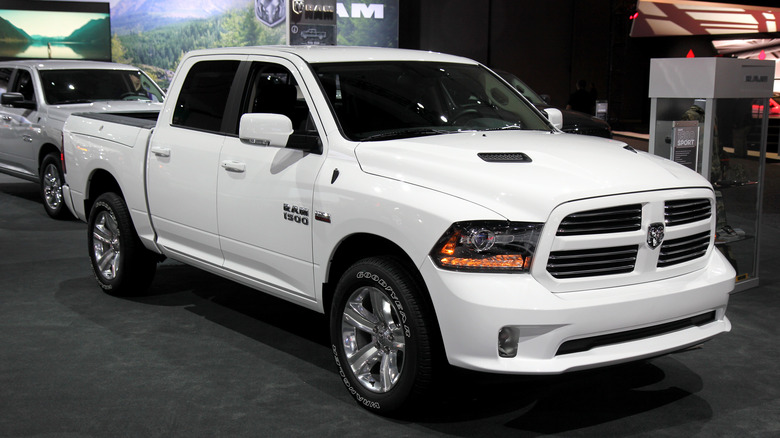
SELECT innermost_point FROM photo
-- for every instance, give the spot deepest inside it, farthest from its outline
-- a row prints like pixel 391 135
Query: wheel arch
pixel 46 149
pixel 359 246
pixel 101 181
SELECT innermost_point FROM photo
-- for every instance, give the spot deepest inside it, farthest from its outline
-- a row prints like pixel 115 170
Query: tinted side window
pixel 203 96
pixel 24 85
pixel 5 76
pixel 273 89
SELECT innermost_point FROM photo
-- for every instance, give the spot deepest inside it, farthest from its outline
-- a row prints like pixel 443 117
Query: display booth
pixel 710 114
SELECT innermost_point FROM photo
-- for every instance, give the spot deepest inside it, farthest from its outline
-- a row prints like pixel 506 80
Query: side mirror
pixel 555 116
pixel 265 129
pixel 16 100
pixel 11 98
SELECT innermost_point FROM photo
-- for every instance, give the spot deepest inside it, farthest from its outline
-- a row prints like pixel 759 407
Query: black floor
pixel 203 357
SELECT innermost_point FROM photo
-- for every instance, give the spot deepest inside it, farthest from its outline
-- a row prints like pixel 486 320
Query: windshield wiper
pixel 72 101
pixel 405 133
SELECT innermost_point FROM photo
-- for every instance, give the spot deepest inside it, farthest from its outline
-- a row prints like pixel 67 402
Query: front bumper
pixel 472 309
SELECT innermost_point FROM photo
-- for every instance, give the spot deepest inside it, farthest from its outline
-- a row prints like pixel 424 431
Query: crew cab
pixel 37 97
pixel 435 215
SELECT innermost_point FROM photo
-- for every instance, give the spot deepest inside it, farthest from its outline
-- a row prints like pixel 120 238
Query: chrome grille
pixel 683 249
pixel 686 211
pixel 602 221
pixel 592 262
pixel 602 242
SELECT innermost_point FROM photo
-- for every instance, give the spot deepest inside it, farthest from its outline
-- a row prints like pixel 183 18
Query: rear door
pixel 183 160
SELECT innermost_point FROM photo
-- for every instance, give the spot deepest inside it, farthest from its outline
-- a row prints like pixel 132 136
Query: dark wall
pixel 533 40
pixel 550 45
pixel 458 27
pixel 591 44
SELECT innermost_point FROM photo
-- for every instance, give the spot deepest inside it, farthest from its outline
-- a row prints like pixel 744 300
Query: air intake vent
pixel 681 250
pixel 504 157
pixel 592 262
pixel 607 220
pixel 686 211
pixel 585 344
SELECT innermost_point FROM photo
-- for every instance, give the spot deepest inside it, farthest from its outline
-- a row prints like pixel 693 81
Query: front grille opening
pixel 592 262
pixel 685 211
pixel 684 249
pixel 602 221
pixel 585 344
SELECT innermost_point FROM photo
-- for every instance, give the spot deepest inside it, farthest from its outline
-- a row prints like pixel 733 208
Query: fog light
pixel 508 338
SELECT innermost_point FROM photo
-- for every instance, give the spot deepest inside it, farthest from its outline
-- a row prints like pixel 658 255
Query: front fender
pixel 410 216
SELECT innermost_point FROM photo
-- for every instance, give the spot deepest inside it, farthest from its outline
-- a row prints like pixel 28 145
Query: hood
pixel 61 112
pixel 561 168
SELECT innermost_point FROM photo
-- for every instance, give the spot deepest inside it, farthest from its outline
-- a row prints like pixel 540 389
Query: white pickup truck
pixel 418 200
pixel 37 97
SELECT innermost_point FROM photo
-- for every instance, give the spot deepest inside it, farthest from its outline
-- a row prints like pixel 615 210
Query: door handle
pixel 161 152
pixel 234 166
pixel 27 138
pixel 7 118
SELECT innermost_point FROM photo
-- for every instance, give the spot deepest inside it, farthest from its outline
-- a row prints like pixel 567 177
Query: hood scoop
pixel 504 157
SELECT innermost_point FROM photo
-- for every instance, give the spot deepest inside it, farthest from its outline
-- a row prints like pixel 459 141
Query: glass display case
pixel 711 115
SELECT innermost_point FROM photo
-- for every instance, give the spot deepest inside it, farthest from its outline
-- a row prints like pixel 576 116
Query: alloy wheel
pixel 52 187
pixel 106 246
pixel 373 339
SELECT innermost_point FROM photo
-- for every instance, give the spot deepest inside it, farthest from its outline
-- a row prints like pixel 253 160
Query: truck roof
pixel 66 64
pixel 319 54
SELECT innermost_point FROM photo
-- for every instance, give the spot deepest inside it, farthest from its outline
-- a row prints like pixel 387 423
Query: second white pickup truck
pixel 37 97
pixel 417 199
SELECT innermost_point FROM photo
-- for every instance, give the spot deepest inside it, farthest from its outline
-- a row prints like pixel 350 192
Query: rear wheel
pixel 381 335
pixel 51 187
pixel 120 262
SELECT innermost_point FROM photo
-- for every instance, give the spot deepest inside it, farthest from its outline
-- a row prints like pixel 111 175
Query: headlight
pixel 487 246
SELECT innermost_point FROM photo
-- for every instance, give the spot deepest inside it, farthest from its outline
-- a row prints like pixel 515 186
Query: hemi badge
pixel 322 217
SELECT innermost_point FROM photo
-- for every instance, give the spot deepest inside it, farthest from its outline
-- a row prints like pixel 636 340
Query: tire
pixel 51 187
pixel 383 356
pixel 121 264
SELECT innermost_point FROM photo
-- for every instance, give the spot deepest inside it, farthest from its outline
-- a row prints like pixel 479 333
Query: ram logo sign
pixel 361 10
pixel 270 12
pixel 367 22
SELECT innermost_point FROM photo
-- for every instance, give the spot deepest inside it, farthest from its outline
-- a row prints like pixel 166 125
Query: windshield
pixel 383 100
pixel 90 85
pixel 524 89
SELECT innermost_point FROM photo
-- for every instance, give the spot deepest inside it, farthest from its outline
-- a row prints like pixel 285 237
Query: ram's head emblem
pixel 655 235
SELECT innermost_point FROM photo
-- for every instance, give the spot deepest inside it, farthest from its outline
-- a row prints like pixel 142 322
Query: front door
pixel 265 194
pixel 20 132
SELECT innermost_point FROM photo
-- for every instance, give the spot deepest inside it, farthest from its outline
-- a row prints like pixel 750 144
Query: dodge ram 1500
pixel 417 199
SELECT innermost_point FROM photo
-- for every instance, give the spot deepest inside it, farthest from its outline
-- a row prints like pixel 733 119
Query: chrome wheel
pixel 380 328
pixel 105 245
pixel 373 339
pixel 52 186
pixel 121 263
